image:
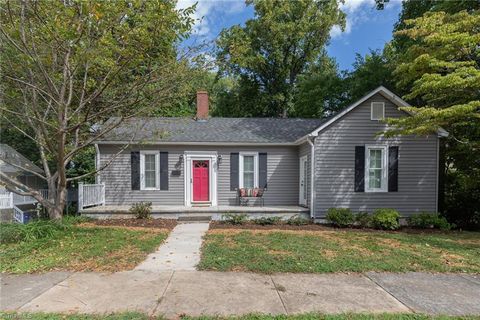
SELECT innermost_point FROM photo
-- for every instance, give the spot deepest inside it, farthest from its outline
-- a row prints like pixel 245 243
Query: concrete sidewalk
pixel 181 250
pixel 171 293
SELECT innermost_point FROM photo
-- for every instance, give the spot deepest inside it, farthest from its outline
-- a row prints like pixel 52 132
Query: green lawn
pixel 339 251
pixel 312 316
pixel 81 249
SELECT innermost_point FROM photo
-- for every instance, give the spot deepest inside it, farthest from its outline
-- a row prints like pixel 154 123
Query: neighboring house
pixel 186 162
pixel 11 164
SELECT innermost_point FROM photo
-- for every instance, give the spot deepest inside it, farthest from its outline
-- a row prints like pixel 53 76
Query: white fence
pixel 9 199
pixel 6 200
pixel 18 215
pixel 90 195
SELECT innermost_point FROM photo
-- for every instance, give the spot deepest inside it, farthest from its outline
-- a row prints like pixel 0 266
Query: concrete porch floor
pixel 174 212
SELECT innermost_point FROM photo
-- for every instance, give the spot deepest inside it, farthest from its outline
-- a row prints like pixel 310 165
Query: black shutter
pixel 359 169
pixel 262 170
pixel 234 164
pixel 163 170
pixel 392 169
pixel 135 168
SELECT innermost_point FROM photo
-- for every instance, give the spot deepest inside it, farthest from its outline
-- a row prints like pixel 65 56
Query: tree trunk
pixel 55 212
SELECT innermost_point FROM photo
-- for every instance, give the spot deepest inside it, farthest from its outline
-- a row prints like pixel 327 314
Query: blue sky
pixel 367 28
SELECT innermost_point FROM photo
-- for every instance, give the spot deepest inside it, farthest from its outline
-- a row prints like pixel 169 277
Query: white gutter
pixel 173 143
pixel 312 175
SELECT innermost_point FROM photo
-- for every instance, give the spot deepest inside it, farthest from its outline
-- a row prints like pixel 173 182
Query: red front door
pixel 201 180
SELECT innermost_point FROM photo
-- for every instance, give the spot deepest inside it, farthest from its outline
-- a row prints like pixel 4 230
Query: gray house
pixel 185 165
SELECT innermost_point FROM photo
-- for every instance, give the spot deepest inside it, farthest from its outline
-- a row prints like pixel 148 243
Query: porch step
pixel 194 218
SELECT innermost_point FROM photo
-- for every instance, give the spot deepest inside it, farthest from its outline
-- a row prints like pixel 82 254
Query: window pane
pixel 248 180
pixel 150 171
pixel 375 178
pixel 149 162
pixel 375 158
pixel 150 179
pixel 248 164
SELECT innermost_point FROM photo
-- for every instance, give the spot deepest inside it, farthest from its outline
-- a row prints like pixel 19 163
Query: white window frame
pixel 384 181
pixel 142 169
pixel 371 111
pixel 255 168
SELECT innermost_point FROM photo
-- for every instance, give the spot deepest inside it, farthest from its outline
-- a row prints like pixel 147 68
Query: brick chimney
pixel 202 105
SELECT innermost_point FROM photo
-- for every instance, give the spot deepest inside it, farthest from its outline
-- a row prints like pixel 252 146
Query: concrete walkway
pixel 195 293
pixel 181 250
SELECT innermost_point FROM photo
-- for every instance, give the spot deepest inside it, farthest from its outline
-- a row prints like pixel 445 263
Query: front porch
pixel 176 212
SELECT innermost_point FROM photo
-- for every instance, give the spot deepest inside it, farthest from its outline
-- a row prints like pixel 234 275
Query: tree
pixel 369 72
pixel 412 9
pixel 274 48
pixel 441 69
pixel 321 90
pixel 70 68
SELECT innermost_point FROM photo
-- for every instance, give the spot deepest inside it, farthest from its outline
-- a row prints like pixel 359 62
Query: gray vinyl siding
pixel 282 175
pixel 335 160
pixel 305 150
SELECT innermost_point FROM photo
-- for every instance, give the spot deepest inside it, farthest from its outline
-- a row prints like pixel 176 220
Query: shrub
pixel 14 232
pixel 297 220
pixel 263 221
pixel 428 220
pixel 10 233
pixel 234 218
pixel 386 219
pixel 142 210
pixel 341 217
pixel 363 219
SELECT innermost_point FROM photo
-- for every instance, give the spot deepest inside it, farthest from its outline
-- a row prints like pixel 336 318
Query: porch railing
pixel 90 195
pixel 6 200
pixel 18 215
pixel 9 199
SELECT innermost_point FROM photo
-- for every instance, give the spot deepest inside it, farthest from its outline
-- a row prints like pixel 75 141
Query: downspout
pixel 97 164
pixel 310 140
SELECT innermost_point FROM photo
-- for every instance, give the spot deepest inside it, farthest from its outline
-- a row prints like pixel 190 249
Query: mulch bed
pixel 143 223
pixel 313 227
pixel 279 226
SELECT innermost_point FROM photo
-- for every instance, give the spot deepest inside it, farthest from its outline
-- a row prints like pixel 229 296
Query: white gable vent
pixel 377 111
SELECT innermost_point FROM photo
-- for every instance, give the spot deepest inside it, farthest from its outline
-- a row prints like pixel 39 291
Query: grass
pixel 78 248
pixel 309 316
pixel 339 251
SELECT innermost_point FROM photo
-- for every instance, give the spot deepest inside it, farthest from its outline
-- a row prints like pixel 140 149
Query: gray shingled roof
pixel 240 130
pixel 9 156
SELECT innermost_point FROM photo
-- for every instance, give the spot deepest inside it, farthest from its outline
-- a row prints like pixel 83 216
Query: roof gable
pixel 396 100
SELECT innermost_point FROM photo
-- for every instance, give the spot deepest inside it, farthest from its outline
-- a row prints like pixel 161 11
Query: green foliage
pixel 141 210
pixel 264 221
pixel 70 67
pixel 385 219
pixel 369 72
pixel 40 229
pixel 297 220
pixel 274 48
pixel 363 219
pixel 443 68
pixel 321 90
pixel 340 217
pixel 440 70
pixel 427 220
pixel 82 163
pixel 234 218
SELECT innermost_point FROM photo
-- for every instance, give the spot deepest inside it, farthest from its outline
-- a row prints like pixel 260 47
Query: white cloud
pixel 209 10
